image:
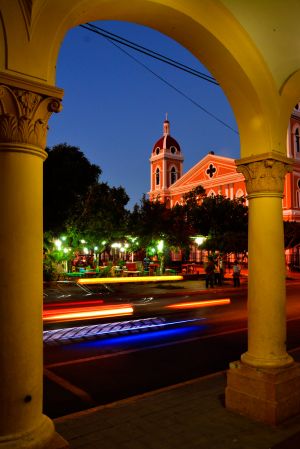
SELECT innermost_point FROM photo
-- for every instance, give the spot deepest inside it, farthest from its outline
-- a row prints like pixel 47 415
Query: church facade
pixel 217 174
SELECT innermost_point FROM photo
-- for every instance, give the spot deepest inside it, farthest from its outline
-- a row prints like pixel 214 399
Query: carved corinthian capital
pixel 265 176
pixel 24 113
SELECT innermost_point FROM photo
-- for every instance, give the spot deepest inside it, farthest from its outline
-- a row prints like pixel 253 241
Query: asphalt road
pixel 84 374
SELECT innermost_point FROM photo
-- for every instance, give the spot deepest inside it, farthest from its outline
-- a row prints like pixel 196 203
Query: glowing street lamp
pixel 58 244
pixel 200 239
pixel 160 246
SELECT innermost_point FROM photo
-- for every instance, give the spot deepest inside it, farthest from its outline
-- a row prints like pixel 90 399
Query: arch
pixel 289 96
pixel 157 177
pixel 222 44
pixel 262 83
pixel 296 197
pixel 211 193
pixel 173 175
pixel 296 141
pixel 239 193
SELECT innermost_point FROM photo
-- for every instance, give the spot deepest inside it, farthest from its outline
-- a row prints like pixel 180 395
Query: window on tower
pixel 297 141
pixel 157 177
pixel 173 175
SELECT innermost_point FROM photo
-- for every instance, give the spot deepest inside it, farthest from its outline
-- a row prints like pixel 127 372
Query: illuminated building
pixel 217 174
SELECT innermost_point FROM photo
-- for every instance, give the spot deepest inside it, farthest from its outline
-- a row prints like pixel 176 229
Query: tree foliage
pixel 154 221
pixel 68 175
pixel 291 234
pixel 223 221
pixel 150 220
pixel 101 215
pixel 76 202
pixel 194 197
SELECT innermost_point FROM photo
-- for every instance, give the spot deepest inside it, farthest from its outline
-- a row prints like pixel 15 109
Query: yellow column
pixel 24 112
pixel 264 383
pixel 266 282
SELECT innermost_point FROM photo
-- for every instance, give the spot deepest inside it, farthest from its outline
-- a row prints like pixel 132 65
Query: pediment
pixel 207 170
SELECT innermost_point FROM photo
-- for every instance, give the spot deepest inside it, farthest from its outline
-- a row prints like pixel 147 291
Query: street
pixel 93 372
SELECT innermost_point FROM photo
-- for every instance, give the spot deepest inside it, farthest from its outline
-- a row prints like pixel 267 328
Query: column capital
pixel 264 174
pixel 25 108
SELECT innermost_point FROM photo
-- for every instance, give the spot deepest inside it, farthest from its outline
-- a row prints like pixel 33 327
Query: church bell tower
pixel 166 164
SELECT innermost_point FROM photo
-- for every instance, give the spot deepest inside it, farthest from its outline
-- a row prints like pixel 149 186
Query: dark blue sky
pixel 113 108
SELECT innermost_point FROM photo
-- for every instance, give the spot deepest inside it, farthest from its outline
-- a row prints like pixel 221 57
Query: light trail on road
pixel 141 349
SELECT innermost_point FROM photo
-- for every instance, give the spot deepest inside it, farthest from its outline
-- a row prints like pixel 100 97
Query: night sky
pixel 114 108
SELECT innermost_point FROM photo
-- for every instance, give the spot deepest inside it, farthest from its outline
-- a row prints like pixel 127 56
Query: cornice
pixel 33 86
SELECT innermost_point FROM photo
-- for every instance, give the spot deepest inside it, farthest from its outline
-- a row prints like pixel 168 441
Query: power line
pixel 148 52
pixel 195 103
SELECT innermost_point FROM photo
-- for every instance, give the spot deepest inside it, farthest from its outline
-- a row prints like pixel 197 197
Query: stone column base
pixel 267 395
pixel 58 442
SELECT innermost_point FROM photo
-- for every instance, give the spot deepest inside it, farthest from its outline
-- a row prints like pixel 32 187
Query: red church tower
pixel 166 163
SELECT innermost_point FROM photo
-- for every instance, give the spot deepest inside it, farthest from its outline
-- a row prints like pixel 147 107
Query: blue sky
pixel 113 108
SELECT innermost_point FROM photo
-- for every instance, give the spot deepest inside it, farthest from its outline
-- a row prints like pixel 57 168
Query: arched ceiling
pixel 251 47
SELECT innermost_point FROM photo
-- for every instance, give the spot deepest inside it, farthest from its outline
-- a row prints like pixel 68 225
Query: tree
pixel 67 177
pixel 152 221
pixel 80 214
pixel 159 228
pixel 194 197
pixel 101 214
pixel 223 221
pixel 291 234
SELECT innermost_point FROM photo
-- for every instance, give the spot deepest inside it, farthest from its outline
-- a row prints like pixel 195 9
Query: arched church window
pixel 157 177
pixel 239 193
pixel 173 175
pixel 297 141
pixel 298 194
pixel 173 150
pixel 298 198
pixel 157 150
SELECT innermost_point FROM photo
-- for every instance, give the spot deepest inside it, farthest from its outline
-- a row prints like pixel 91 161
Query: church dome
pixel 166 142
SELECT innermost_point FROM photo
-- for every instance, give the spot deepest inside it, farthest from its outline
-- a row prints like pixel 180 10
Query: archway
pixel 255 82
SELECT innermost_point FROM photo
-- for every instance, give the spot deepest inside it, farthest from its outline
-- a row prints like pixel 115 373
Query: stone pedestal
pixel 58 442
pixel 269 395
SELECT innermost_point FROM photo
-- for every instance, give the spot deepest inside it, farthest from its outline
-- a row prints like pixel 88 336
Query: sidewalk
pixel 190 415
